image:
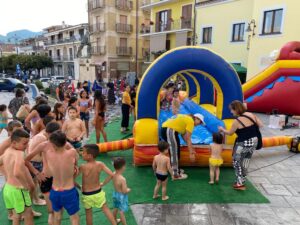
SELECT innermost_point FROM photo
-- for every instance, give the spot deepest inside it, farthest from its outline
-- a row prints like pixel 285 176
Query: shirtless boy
pixel 18 184
pixel 92 194
pixel 161 165
pixel 61 163
pixel 74 128
pixel 11 127
pixel 37 160
pixel 44 177
pixel 120 195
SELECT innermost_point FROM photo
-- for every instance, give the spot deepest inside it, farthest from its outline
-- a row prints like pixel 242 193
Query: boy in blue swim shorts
pixel 120 195
pixel 61 163
pixel 92 194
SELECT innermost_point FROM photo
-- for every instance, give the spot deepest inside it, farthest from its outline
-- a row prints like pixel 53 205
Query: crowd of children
pixel 51 139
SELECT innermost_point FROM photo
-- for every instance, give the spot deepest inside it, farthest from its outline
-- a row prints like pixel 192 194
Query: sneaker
pixel 39 202
pixel 239 187
pixel 180 177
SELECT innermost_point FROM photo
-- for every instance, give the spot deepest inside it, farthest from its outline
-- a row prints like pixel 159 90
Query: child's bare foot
pixel 211 182
pixel 156 196
pixel 217 181
pixel 165 198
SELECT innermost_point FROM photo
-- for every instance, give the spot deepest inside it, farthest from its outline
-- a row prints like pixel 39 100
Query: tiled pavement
pixel 275 172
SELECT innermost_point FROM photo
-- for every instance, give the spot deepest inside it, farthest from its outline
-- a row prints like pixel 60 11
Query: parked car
pixel 58 78
pixel 11 84
pixel 45 81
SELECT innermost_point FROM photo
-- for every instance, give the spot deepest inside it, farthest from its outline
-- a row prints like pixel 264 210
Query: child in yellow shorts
pixel 92 194
pixel 215 160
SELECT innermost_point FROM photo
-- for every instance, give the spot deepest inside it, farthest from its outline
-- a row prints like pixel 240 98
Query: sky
pixel 35 15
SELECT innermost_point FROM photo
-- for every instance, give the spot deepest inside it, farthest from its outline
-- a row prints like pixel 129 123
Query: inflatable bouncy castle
pixel 277 88
pixel 212 84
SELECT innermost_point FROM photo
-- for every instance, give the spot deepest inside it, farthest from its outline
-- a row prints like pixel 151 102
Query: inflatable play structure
pixel 277 88
pixel 212 84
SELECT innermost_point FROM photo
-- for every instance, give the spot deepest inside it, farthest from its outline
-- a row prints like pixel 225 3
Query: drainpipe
pixel 194 28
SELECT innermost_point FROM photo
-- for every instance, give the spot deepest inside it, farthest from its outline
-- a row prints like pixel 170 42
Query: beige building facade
pixel 114 38
pixel 62 44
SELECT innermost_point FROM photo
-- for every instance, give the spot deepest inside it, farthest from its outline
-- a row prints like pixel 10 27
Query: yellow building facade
pixel 247 32
pixel 171 25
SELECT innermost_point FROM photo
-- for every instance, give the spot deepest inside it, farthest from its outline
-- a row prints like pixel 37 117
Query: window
pixel 163 20
pixel 272 21
pixel 206 35
pixel 238 32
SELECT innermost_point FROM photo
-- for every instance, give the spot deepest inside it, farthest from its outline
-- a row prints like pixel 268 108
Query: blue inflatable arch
pixel 200 67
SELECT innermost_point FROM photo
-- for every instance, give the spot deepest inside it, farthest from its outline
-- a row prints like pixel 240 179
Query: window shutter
pixel 157 22
pixel 169 14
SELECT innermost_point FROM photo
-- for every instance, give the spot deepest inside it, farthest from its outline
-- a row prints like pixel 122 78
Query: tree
pixel 26 62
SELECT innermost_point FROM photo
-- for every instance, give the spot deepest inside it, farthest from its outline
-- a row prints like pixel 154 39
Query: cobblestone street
pixel 275 172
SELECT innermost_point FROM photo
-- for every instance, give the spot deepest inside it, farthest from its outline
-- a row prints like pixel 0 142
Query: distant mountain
pixel 18 35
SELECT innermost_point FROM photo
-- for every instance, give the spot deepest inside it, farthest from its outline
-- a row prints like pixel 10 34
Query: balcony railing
pixel 174 25
pixel 61 41
pixel 123 28
pixel 98 50
pixel 96 4
pixel 97 27
pixel 124 51
pixel 62 58
pixel 125 5
pixel 145 29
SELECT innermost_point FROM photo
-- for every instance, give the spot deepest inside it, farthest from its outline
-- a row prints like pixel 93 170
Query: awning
pixel 238 68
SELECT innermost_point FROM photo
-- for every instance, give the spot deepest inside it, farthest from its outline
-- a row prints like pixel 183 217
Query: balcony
pixel 124 51
pixel 97 27
pixel 62 58
pixel 145 29
pixel 184 24
pixel 96 4
pixel 62 41
pixel 148 4
pixel 124 5
pixel 123 28
pixel 98 50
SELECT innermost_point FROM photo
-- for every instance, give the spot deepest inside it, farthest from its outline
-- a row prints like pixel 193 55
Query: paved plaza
pixel 275 172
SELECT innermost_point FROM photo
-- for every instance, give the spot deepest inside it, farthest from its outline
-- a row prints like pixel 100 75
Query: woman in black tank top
pixel 245 127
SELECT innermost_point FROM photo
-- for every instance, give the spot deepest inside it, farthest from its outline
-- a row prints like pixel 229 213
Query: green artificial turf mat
pixel 141 180
pixel 113 131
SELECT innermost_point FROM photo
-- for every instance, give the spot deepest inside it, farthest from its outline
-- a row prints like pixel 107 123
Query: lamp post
pixel 137 37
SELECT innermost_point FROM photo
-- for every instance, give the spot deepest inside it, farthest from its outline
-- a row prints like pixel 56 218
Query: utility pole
pixel 137 37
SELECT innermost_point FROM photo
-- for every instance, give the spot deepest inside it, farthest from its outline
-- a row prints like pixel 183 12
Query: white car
pixel 45 81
